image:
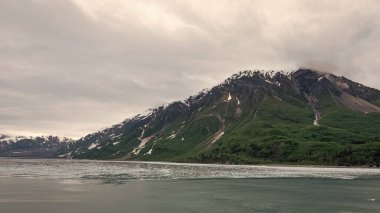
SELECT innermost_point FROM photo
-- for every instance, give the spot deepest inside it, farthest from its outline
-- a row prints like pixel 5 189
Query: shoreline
pixel 197 163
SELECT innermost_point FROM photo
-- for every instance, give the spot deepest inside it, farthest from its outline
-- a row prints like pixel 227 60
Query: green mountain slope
pixel 304 117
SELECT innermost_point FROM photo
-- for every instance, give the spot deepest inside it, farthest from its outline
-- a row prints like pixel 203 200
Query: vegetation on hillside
pixel 302 118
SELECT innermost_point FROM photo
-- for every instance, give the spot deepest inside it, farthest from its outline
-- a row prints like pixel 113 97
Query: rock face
pixel 43 146
pixel 304 116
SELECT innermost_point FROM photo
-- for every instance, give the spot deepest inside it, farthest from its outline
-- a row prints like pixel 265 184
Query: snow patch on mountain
pixel 93 145
pixel 172 136
pixel 317 117
pixel 217 137
pixel 141 146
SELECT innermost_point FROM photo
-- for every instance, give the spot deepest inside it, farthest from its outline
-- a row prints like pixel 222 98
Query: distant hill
pixel 302 117
pixel 42 146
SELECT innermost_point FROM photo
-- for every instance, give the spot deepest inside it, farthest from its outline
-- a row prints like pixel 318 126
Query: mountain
pixel 301 117
pixel 42 146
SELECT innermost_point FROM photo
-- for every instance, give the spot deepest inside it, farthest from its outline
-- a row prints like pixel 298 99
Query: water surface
pixel 103 186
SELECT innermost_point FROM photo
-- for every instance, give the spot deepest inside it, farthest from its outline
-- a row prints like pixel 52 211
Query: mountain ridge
pixel 198 125
pixel 39 146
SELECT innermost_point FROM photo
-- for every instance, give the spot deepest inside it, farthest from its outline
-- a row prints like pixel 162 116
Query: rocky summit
pixel 300 117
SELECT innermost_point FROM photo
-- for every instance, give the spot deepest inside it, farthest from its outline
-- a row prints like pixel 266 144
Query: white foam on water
pixel 116 171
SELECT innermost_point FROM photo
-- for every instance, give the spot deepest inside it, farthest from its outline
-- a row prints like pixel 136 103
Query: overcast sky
pixel 71 67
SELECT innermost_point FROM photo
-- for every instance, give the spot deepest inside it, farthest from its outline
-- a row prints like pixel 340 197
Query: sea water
pixel 30 185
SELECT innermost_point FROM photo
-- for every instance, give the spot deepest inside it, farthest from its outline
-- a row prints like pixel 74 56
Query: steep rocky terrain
pixel 43 146
pixel 304 116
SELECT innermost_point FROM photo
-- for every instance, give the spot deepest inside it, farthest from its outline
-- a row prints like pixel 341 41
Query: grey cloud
pixel 72 67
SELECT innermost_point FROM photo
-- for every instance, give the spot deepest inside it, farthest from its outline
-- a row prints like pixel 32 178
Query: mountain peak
pixel 248 115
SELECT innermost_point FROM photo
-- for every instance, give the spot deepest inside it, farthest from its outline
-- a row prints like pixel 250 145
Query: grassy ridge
pixel 283 132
